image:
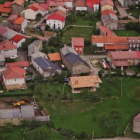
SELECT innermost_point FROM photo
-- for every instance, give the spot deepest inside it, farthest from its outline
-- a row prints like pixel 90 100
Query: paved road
pixel 122 11
pixel 119 138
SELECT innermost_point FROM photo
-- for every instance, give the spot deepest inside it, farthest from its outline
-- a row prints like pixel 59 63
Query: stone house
pixel 109 19
pixel 126 3
pixel 106 4
pixel 73 62
pixel 136 124
pixel 14 78
pixel 2 60
pixel 17 6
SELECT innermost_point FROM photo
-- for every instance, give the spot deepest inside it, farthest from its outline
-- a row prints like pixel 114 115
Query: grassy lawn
pixel 78 114
pixel 76 32
pixel 135 12
pixel 126 33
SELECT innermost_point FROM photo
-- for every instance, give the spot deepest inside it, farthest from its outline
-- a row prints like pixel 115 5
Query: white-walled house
pixel 18 40
pixel 81 5
pixel 14 78
pixel 32 10
pixel 92 5
pixel 8 49
pixel 56 21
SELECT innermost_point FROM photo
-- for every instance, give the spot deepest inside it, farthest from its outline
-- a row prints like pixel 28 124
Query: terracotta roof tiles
pixel 106 2
pixel 54 56
pixel 19 20
pixel 18 64
pixel 116 47
pixel 78 41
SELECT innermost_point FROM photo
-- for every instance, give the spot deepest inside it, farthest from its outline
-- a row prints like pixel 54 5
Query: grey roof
pixel 10 113
pixel 2 57
pixel 32 49
pixel 35 43
pixel 66 50
pixel 27 111
pixel 73 58
pixel 109 17
pixel 38 54
pixel 9 34
pixel 45 63
pixel 42 118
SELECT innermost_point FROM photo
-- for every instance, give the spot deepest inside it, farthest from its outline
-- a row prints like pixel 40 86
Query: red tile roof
pixel 81 3
pixel 56 17
pixel 35 7
pixel 90 3
pixel 105 30
pixel 64 0
pixel 19 20
pixel 53 3
pixel 18 64
pixel 3 30
pixel 13 73
pixel 45 6
pixel 7 45
pixel 119 63
pixel 106 2
pixel 78 41
pixel 116 47
pixel 108 11
pixel 19 2
pixel 108 39
pixel 124 55
pixel 4 9
pixel 138 54
pixel 54 56
pixel 13 17
pixel 17 38
pixel 7 4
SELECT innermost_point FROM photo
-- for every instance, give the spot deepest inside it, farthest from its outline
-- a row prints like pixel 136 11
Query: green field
pixel 78 114
pixel 126 33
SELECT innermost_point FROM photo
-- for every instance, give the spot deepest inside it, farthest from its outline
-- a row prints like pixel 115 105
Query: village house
pixel 17 6
pixel 78 45
pixel 45 67
pixel 126 3
pixel 81 5
pixel 136 124
pixel 54 57
pixel 106 4
pixel 92 5
pixel 123 59
pixel 18 40
pixel 34 47
pixel 33 10
pixel 79 83
pixel 16 115
pixel 9 34
pixel 14 78
pixel 105 31
pixel 115 41
pixel 5 9
pixel 17 23
pixel 7 49
pixel 109 19
pixel 57 8
pixel 54 4
pixel 2 60
pixel 45 6
pixel 2 31
pixel 74 63
pixel 56 21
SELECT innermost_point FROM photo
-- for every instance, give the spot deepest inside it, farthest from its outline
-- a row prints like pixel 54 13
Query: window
pixel 15 79
pixel 80 49
pixel 76 48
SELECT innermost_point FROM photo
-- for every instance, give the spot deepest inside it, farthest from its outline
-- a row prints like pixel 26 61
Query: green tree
pixel 38 16
pixel 93 48
pixel 47 27
pixel 38 90
pixel 67 133
pixel 39 78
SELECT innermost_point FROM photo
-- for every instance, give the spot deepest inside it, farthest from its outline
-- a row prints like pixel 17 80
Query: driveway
pixel 119 138
pixel 122 11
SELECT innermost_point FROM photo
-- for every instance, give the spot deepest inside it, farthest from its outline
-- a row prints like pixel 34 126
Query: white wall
pixel 81 8
pixel 99 44
pixel 56 22
pixel 96 7
pixel 121 2
pixel 19 43
pixel 9 53
pixel 29 14
pixel 69 4
pixel 24 24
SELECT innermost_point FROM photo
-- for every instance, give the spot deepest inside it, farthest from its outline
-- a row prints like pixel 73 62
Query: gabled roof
pixel 9 34
pixel 54 56
pixel 3 30
pixel 80 3
pixel 32 48
pixel 66 50
pixel 17 38
pixel 19 2
pixel 119 63
pixel 124 55
pixel 7 4
pixel 4 9
pixel 45 64
pixel 138 54
pixel 7 45
pixel 84 81
pixel 35 7
pixel 19 20
pixel 105 30
pixel 53 3
pixel 39 54
pixel 106 2
pixel 109 17
pixel 60 12
pixel 13 73
pixel 57 8
pixel 56 17
pixel 13 17
pixel 90 3
pixel 73 59
pixel 108 11
pixel 78 41
pixel 133 39
pixel 116 47
pixel 19 64
pixel 45 6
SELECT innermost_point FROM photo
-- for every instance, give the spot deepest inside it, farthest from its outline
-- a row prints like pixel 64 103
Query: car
pixel 28 20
